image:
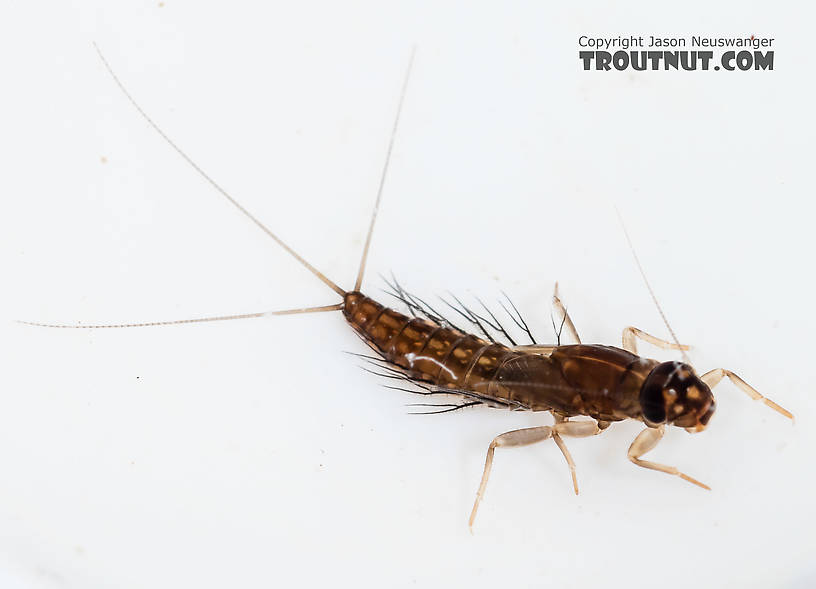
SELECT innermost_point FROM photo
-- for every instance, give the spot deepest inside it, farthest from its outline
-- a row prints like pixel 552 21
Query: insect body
pixel 604 383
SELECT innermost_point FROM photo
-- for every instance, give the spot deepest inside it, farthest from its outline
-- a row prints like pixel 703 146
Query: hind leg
pixel 563 447
pixel 566 321
pixel 525 437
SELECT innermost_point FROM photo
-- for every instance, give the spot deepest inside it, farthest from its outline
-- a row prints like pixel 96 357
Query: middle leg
pixel 630 345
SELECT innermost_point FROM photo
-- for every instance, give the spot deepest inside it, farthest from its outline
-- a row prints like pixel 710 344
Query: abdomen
pixel 426 351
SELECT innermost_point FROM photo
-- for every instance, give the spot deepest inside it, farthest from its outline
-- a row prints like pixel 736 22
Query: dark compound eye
pixel 662 379
pixel 652 403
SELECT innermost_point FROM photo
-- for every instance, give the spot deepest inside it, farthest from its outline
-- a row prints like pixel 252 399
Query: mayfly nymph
pixel 423 348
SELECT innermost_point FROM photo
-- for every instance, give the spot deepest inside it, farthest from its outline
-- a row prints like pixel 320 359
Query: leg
pixel 535 349
pixel 567 322
pixel 563 447
pixel 645 441
pixel 525 437
pixel 629 344
pixel 713 377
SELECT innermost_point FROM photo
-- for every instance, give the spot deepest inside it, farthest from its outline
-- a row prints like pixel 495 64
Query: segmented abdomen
pixel 426 351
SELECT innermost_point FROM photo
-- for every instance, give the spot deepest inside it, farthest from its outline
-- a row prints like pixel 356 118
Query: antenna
pixel 649 286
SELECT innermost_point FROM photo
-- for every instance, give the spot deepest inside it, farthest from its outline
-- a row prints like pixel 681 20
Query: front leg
pixel 647 440
pixel 713 377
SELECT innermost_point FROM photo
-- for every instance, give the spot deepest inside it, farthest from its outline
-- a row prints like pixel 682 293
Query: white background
pixel 257 454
